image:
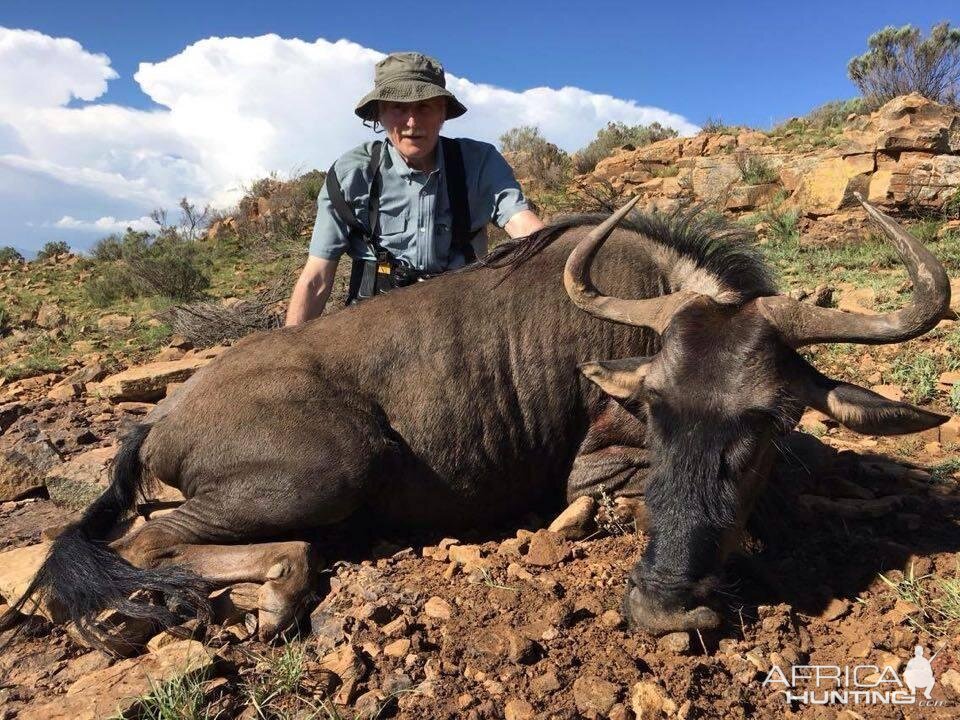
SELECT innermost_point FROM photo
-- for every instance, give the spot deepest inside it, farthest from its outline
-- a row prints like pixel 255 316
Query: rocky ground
pixel 853 558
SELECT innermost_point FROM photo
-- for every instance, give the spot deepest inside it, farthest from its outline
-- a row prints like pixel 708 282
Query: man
pixel 429 211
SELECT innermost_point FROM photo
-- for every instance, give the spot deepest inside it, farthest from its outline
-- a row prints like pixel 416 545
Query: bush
pixel 717 126
pixel 9 255
pixel 535 158
pixel 899 62
pixel 52 249
pixel 140 264
pixel 617 135
pixel 832 115
pixel 119 247
pixel 754 170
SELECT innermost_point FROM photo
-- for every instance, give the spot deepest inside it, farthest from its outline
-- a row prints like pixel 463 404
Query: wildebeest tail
pixel 81 575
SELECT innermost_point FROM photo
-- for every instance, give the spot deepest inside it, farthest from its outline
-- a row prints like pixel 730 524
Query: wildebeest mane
pixel 706 239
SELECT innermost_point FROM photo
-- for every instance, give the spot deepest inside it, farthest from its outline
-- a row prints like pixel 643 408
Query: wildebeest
pixel 466 399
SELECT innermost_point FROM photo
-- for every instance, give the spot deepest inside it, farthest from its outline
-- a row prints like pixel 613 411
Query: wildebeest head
pixel 725 383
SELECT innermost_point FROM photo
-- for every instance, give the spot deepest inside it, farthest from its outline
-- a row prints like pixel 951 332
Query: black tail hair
pixel 81 576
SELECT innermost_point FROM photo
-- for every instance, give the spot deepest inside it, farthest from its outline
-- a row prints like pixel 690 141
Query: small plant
pixel 617 135
pixel 782 227
pixel 665 171
pixel 937 601
pixel 899 61
pixel 955 398
pixel 180 698
pixel 9 255
pixel 754 170
pixel 52 249
pixel 535 158
pixel 716 126
pixel 917 375
pixel 926 230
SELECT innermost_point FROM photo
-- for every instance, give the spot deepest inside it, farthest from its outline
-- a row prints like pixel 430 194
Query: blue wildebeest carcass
pixel 467 399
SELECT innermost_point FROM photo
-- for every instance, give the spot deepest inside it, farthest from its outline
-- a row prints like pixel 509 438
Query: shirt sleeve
pixel 330 237
pixel 499 183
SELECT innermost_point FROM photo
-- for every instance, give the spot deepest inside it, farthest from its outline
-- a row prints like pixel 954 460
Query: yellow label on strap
pixel 383 268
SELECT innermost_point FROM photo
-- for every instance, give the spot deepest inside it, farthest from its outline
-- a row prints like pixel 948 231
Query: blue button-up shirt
pixel 415 216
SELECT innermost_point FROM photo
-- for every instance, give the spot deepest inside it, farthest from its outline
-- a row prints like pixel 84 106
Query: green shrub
pixel 899 62
pixel 754 170
pixel 955 398
pixel 717 126
pixel 131 244
pixel 917 375
pixel 139 264
pixel 617 135
pixel 52 249
pixel 782 227
pixel 9 255
pixel 834 114
pixel 535 158
pixel 113 282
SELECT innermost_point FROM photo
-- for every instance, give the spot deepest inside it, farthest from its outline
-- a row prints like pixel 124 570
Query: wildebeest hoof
pixel 649 614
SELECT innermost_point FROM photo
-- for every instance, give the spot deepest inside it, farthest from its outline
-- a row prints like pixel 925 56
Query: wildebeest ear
pixel 864 411
pixel 619 379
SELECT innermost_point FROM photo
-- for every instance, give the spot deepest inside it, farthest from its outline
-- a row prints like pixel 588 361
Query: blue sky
pixel 745 63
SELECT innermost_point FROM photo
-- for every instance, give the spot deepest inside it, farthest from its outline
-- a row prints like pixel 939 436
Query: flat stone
pixel 149 382
pixel 17 568
pixel 114 322
pixel 117 689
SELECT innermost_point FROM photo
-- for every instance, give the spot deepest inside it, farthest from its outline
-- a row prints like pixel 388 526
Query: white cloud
pixel 37 70
pixel 232 110
pixel 107 224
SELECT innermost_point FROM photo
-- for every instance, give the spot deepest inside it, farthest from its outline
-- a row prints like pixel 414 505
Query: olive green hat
pixel 408 77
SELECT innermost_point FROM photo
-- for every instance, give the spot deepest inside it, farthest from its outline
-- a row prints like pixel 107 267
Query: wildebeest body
pixel 446 406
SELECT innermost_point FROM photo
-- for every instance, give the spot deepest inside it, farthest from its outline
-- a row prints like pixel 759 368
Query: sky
pixel 111 109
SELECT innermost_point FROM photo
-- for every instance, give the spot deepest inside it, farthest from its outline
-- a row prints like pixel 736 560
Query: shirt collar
pixel 404 170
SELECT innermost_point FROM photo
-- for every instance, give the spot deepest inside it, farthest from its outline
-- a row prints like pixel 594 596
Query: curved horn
pixel 803 324
pixel 654 313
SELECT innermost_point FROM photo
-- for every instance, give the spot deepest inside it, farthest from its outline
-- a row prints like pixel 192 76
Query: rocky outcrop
pixel 904 155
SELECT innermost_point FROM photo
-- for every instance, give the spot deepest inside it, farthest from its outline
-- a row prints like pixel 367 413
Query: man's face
pixel 414 128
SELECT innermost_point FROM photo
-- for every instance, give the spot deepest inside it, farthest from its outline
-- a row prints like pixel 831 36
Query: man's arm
pixel 523 223
pixel 313 287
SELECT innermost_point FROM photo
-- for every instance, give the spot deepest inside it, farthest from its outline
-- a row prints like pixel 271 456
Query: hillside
pixel 854 556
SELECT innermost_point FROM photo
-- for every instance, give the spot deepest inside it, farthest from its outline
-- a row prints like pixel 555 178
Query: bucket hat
pixel 408 77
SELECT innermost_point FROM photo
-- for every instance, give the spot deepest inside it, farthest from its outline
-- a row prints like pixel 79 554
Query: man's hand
pixel 523 223
pixel 310 294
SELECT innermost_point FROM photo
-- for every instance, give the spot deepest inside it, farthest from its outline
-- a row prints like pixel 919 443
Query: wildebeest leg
pixel 181 538
pixel 611 459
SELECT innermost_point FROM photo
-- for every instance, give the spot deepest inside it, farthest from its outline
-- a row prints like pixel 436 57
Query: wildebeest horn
pixel 803 324
pixel 654 313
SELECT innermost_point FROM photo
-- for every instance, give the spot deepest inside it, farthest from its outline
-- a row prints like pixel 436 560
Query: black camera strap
pixel 456 181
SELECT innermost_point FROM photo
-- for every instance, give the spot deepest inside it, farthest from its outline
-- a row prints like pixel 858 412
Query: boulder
pixel 750 197
pixel 114 322
pixel 117 690
pixel 17 568
pixel 831 182
pixel 91 466
pixel 908 122
pixel 49 316
pixel 149 382
pixel 712 177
